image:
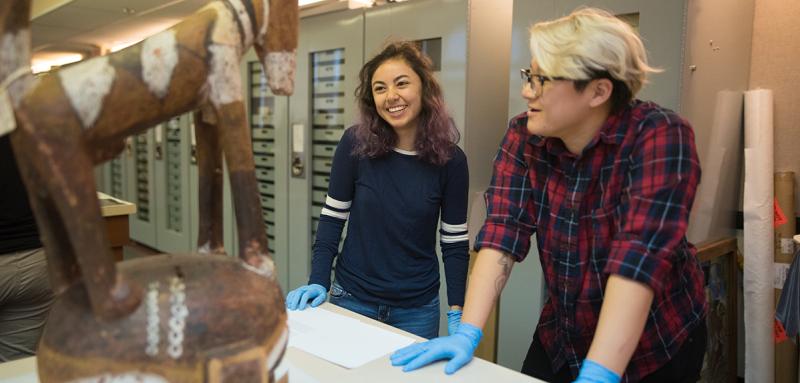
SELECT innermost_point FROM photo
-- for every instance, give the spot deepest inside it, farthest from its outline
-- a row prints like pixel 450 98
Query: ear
pixel 600 91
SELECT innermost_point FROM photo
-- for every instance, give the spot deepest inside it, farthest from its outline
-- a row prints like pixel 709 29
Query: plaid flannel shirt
pixel 621 207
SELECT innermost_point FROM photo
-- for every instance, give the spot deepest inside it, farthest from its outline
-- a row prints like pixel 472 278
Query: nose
pixel 527 92
pixel 392 94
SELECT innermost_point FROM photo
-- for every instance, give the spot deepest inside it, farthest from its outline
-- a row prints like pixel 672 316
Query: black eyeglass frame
pixel 529 77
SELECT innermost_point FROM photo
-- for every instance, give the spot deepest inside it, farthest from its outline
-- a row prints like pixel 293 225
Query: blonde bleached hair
pixel 591 43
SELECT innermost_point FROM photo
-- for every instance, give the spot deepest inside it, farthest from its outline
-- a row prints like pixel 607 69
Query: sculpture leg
pixel 209 166
pixel 64 177
pixel 62 266
pixel 236 145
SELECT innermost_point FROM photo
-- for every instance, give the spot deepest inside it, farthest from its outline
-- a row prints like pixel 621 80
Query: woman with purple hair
pixel 395 175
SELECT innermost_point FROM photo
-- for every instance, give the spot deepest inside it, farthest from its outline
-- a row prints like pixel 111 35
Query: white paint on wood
pixel 224 79
pixel 265 269
pixel 280 71
pixel 128 377
pixel 86 85
pixel 244 20
pixel 159 58
pixel 264 22
pixel 277 350
pixel 15 53
pixel 225 31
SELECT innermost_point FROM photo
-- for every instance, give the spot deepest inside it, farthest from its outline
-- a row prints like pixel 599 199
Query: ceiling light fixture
pixel 354 4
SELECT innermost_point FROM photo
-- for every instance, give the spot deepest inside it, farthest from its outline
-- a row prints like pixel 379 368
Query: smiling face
pixel 555 109
pixel 397 91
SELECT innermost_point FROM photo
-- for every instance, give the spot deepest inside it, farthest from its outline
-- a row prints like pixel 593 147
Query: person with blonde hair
pixel 606 181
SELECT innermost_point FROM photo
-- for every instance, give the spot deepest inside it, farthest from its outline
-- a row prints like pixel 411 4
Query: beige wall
pixel 775 65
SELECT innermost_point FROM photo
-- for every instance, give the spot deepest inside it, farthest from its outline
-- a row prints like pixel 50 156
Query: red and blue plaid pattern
pixel 620 207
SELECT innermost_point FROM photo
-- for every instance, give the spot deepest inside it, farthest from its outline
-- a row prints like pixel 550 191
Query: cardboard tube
pixel 758 275
pixel 785 352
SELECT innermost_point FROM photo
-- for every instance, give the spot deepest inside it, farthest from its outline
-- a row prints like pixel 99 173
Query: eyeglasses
pixel 533 79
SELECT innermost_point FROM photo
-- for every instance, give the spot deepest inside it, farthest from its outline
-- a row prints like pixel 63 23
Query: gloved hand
pixel 453 319
pixel 592 372
pixel 297 298
pixel 458 347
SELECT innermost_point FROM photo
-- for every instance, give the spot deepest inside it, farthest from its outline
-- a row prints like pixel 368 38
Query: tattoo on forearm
pixel 505 261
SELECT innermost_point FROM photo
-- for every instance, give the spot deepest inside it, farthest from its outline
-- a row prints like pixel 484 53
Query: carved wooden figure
pixel 167 318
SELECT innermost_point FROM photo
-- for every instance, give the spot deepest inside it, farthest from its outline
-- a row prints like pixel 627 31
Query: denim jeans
pixel 421 320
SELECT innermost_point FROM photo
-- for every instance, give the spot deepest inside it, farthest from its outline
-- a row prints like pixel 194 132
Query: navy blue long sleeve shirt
pixel 394 204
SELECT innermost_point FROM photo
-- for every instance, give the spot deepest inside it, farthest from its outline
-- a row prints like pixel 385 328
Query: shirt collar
pixel 612 132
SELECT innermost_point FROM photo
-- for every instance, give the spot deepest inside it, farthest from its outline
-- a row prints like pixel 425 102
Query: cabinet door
pixel 172 186
pixel 268 116
pixel 141 189
pixel 329 56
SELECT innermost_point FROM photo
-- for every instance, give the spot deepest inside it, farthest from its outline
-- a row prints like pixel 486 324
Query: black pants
pixel 684 367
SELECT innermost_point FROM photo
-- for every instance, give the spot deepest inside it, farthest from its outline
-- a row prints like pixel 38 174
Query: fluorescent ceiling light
pixel 354 4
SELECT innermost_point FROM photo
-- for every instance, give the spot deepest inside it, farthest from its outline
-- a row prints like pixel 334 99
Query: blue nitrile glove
pixel 592 372
pixel 458 347
pixel 453 319
pixel 297 298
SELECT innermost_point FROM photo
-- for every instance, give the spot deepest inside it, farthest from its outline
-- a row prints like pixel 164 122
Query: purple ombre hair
pixel 436 132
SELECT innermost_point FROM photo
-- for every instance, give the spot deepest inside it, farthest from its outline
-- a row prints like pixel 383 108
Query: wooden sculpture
pixel 169 318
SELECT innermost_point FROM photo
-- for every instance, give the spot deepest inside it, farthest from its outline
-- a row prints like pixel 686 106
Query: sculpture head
pixel 276 42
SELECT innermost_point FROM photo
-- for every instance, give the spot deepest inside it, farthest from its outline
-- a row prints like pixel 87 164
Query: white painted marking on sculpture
pixel 86 85
pixel 224 79
pixel 205 249
pixel 244 19
pixel 159 58
pixel 129 377
pixel 266 269
pixel 280 70
pixel 225 30
pixel 265 22
pixel 20 44
pixel 277 349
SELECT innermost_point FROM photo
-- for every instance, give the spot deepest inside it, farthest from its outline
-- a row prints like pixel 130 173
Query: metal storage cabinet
pixel 141 189
pixel 269 134
pixel 329 56
pixel 172 213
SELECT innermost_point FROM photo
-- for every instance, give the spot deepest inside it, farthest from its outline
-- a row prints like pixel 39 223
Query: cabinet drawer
pixel 333 102
pixel 263 133
pixel 331 55
pixel 329 135
pixel 265 174
pixel 321 182
pixel 267 201
pixel 318 196
pixel 324 150
pixel 266 188
pixel 328 119
pixel 331 70
pixel 323 165
pixel 264 160
pixel 332 86
pixel 263 147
